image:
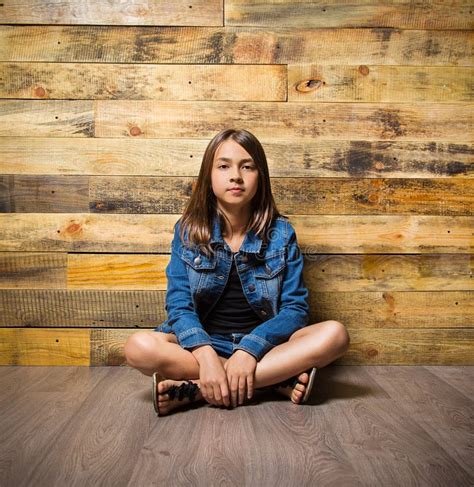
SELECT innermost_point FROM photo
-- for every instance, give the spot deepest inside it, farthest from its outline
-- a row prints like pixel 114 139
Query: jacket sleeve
pixel 182 316
pixel 293 313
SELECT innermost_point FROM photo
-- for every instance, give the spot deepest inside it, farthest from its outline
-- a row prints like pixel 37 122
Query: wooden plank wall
pixel 365 113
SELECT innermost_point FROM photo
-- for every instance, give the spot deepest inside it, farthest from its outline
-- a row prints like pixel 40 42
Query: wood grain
pixel 63 346
pixel 99 81
pixel 235 45
pixel 135 12
pixel 379 84
pixel 286 158
pixel 332 234
pixel 305 14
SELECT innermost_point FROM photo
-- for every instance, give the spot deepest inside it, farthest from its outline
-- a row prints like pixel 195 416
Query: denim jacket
pixel 271 279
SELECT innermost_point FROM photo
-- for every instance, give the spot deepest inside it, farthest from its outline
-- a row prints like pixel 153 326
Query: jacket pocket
pixel 269 278
pixel 198 267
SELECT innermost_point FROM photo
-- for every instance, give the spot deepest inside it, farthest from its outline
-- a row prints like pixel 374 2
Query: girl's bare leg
pixel 316 345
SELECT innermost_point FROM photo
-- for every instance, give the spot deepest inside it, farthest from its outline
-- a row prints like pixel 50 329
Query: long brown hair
pixel 202 206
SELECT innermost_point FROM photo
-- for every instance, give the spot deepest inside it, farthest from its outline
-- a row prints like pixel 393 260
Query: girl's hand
pixel 240 369
pixel 212 378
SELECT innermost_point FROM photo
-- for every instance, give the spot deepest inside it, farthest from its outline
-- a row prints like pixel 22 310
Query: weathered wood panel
pixel 448 272
pixel 332 234
pixel 144 309
pixel 314 196
pixel 78 194
pixel 28 270
pixel 82 308
pixel 47 118
pixel 305 14
pixel 44 194
pixel 131 12
pixel 239 45
pixel 330 121
pixel 380 84
pixel 72 81
pixel 286 158
pixel 105 347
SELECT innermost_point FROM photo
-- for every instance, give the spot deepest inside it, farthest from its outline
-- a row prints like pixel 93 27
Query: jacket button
pixel 251 287
pixel 197 260
pixel 264 313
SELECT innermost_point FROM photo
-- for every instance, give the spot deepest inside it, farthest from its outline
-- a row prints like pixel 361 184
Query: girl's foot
pixel 295 393
pixel 165 403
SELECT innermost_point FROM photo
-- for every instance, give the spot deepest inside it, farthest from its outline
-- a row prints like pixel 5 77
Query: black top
pixel 232 312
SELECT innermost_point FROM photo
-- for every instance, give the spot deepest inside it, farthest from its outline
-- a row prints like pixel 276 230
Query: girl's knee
pixel 138 347
pixel 340 335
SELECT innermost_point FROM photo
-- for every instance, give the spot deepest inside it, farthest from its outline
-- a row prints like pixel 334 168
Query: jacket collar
pixel 252 242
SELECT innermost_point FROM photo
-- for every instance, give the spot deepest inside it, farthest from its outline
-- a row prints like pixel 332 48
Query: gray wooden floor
pixel 364 425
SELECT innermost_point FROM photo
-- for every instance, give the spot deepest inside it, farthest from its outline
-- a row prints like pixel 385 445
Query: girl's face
pixel 233 167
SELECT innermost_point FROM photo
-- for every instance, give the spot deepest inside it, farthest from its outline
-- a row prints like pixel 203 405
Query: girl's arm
pixel 182 316
pixel 294 309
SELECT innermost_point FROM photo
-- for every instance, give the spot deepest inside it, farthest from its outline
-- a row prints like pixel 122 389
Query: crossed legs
pixel 315 345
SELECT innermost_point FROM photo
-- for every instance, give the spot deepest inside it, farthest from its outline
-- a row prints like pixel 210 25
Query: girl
pixel 236 301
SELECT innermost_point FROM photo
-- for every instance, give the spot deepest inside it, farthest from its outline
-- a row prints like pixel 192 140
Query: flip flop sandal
pixel 292 381
pixel 186 389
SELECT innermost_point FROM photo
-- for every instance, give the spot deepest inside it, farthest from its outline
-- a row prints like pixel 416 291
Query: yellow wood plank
pixel 286 158
pixel 47 346
pixel 132 12
pixel 332 234
pixel 95 271
pixel 235 45
pixel 98 81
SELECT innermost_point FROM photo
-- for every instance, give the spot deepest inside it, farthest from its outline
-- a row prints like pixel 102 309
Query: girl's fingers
pixel 242 384
pixel 225 394
pixel 249 387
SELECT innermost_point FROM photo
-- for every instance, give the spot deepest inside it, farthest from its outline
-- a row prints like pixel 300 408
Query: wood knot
pixel 308 85
pixel 364 70
pixel 371 352
pixel 135 131
pixel 40 91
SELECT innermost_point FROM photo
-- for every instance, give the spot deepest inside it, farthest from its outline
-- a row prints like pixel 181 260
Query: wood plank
pixel 286 158
pixel 332 234
pixel 44 194
pixel 72 81
pixel 135 12
pixel 86 232
pixel 445 272
pixel 81 308
pixel 47 118
pixel 394 309
pixel 235 45
pixel 113 271
pixel 23 346
pixel 321 272
pixel 307 14
pixel 329 121
pixel 379 84
pixel 65 346
pixel 25 270
pixel 95 308
pixel 461 378
pixel 316 196
pixel 410 347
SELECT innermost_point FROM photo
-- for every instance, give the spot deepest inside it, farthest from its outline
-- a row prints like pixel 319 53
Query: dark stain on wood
pixel 357 161
pixel 431 48
pixel 389 121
